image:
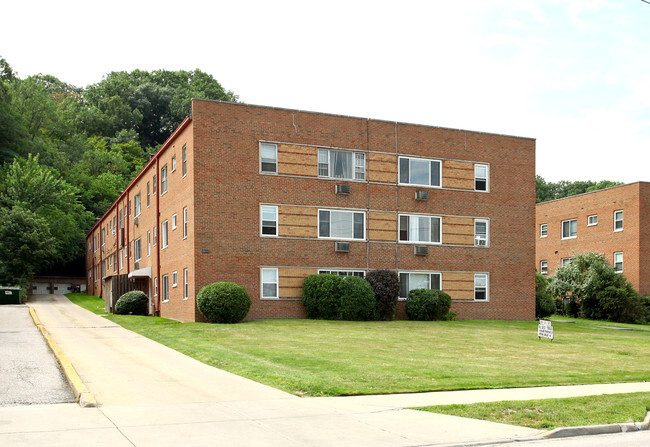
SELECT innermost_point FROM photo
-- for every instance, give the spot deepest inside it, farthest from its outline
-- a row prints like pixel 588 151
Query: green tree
pixel 550 191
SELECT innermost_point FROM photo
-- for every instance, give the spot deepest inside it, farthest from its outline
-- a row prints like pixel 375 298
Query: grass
pixel 553 413
pixel 316 358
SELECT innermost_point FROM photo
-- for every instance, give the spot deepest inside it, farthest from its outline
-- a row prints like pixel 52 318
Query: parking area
pixel 29 372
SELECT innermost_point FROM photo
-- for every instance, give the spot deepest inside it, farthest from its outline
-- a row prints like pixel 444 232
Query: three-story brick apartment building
pixel 264 196
pixel 609 222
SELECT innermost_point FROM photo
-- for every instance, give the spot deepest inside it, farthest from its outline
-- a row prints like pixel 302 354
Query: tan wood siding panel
pixel 382 226
pixel 461 294
pixel 382 168
pixel 383 236
pixel 297 160
pixel 295 221
pixel 458 276
pixel 455 239
pixel 458 174
pixel 291 280
pixel 459 285
pixel 458 183
pixel 458 230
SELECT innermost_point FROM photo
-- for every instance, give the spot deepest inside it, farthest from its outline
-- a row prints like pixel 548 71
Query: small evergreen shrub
pixel 623 305
pixel 358 302
pixel 134 302
pixel 223 302
pixel 321 296
pixel 427 305
pixel 559 306
pixel 544 305
pixel 385 285
pixel 573 308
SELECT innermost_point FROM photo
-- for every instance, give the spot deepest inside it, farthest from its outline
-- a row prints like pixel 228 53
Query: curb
pixel 84 397
pixel 599 429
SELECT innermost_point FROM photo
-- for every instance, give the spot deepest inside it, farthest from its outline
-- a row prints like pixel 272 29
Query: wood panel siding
pixel 459 285
pixel 382 226
pixel 290 280
pixel 458 230
pixel 297 221
pixel 382 167
pixel 458 174
pixel 297 160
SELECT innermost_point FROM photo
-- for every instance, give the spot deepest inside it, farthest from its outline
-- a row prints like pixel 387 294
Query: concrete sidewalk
pixel 150 395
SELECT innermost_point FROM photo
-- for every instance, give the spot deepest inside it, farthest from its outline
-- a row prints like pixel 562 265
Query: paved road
pixel 29 373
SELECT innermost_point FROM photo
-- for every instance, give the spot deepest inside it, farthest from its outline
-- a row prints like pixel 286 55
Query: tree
pixel 544 305
pixel 551 191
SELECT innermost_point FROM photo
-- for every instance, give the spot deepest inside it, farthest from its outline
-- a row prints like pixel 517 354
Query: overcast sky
pixel 573 74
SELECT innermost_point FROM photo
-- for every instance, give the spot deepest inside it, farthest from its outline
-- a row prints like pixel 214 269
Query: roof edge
pixel 591 192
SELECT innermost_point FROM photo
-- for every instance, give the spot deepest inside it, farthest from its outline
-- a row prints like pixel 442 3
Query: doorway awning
pixel 141 273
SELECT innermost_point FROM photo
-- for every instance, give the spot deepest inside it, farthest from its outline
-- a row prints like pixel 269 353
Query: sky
pixel 573 74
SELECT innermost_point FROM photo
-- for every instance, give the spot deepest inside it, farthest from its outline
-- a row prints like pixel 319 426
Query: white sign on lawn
pixel 545 329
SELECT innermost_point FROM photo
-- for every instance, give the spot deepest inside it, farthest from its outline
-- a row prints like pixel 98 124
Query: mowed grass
pixel 554 413
pixel 313 357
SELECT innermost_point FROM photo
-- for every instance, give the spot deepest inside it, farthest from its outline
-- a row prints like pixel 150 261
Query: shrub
pixel 223 302
pixel 573 308
pixel 134 302
pixel 623 305
pixel 544 305
pixel 358 302
pixel 321 296
pixel 385 285
pixel 427 305
pixel 559 306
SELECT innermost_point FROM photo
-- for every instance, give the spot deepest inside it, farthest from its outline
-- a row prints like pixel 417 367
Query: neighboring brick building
pixel 609 222
pixel 263 197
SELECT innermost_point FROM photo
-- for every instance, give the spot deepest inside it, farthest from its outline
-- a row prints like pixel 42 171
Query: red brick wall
pixel 632 199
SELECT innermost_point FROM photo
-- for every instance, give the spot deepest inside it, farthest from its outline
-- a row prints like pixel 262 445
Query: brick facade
pixel 599 235
pixel 225 189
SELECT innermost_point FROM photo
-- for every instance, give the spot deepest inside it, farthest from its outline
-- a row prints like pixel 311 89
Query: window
pixel 481 177
pixel 481 232
pixel 419 171
pixel 543 230
pixel 121 218
pixel 148 196
pixel 184 161
pixel 269 220
pixel 148 243
pixel 410 281
pixel 164 234
pixel 269 283
pixel 184 223
pixel 592 220
pixel 155 286
pixel 186 284
pixel 569 229
pixel 174 222
pixel 341 164
pixel 121 259
pixel 565 261
pixel 155 185
pixel 543 267
pixel 165 288
pixel 359 273
pixel 95 242
pixel 138 205
pixel 618 220
pixel 618 262
pixel 174 279
pixel 115 262
pixel 173 163
pixel 480 287
pixel 335 224
pixel 420 229
pixel 269 158
pixel 163 180
pixel 155 236
pixel 103 236
pixel 137 249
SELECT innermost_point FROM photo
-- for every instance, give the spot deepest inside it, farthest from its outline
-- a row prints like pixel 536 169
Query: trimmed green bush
pixel 358 302
pixel 385 285
pixel 223 302
pixel 427 305
pixel 134 302
pixel 544 305
pixel 321 296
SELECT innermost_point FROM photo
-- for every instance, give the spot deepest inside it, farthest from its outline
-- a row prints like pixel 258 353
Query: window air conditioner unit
pixel 136 221
pixel 421 195
pixel 343 189
pixel 342 247
pixel 421 250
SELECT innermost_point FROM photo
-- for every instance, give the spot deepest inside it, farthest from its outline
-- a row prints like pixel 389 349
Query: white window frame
pixel 148 243
pixel 618 220
pixel 357 168
pixel 487 233
pixel 148 194
pixel 486 178
pixel 186 284
pixel 592 220
pixel 330 237
pixel 487 287
pixel 185 228
pixel 343 272
pixel 412 241
pixel 276 220
pixel 543 230
pixel 173 163
pixel 137 249
pixel 621 262
pixel 164 234
pixel 565 261
pixel 277 283
pixel 137 200
pixel 570 236
pixel 121 259
pixel 174 222
pixel 155 236
pixel 174 279
pixel 543 267
pixel 416 272
pixel 184 161
pixel 163 180
pixel 165 288
pixel 268 146
pixel 422 185
pixel 155 286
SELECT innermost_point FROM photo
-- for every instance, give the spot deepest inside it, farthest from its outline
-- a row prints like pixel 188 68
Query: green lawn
pixel 553 413
pixel 312 357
